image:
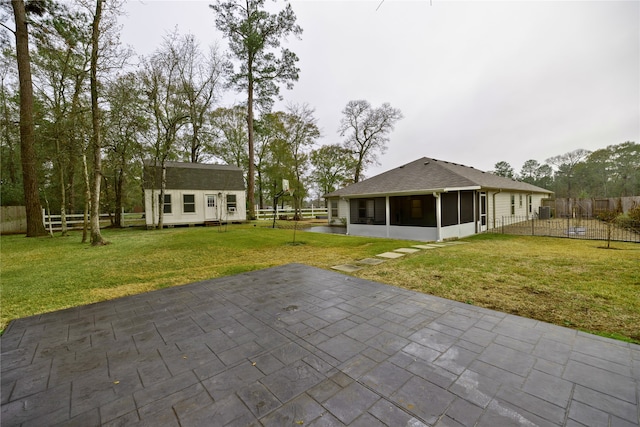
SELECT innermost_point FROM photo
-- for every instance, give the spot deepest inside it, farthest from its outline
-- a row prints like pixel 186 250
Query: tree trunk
pixel 63 198
pixel 87 197
pixel 119 186
pixel 251 179
pixel 35 223
pixel 96 236
pixel 163 186
pixel 260 191
pixel 75 148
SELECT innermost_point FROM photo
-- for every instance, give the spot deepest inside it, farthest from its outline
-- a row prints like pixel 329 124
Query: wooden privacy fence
pixel 289 213
pixel 572 228
pixel 13 219
pixel 589 208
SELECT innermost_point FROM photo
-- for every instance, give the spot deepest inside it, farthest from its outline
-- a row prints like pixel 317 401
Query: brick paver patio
pixel 296 345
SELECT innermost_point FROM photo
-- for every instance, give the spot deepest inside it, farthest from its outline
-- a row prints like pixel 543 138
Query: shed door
pixel 210 207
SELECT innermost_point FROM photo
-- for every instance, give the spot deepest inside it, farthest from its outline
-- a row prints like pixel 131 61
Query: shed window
pixel 188 203
pixel 167 203
pixel 231 203
pixel 513 204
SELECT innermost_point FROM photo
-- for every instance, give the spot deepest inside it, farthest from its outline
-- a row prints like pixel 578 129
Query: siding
pixel 198 217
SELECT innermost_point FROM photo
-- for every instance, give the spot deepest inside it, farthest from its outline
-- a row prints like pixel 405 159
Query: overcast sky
pixel 478 82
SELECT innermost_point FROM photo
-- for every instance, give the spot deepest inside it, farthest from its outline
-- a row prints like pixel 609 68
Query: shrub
pixel 634 213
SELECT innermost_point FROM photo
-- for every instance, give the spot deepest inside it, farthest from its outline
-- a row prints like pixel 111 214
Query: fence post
pixel 533 230
pixel 503 225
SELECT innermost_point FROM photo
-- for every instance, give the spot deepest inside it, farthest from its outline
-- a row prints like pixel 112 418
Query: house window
pixel 368 211
pixel 211 201
pixel 188 203
pixel 334 209
pixel 167 203
pixel 520 200
pixel 530 204
pixel 416 208
pixel 231 203
pixel 513 204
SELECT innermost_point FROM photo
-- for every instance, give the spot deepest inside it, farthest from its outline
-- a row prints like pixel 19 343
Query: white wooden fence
pixel 74 221
pixel 289 213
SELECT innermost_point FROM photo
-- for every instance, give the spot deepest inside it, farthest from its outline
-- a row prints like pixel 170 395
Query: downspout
pixel 494 207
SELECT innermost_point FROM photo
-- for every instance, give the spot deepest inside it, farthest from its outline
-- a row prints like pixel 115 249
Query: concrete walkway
pixel 296 345
pixel 396 253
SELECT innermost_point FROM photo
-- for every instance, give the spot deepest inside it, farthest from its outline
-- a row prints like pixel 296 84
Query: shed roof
pixel 194 176
pixel 427 175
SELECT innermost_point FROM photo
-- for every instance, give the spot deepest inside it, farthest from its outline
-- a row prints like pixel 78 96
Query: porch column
pixel 387 218
pixel 348 224
pixel 438 216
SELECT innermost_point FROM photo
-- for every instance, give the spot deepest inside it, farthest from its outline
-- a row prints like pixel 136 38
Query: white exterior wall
pixel 422 234
pixel 343 211
pixel 536 203
pixel 367 230
pixel 177 216
pixel 503 205
pixel 458 231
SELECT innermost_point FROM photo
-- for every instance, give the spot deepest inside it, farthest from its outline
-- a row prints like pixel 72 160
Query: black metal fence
pixel 572 228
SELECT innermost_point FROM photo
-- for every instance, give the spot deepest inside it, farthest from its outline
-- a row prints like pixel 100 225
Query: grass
pixel 568 282
pixel 572 283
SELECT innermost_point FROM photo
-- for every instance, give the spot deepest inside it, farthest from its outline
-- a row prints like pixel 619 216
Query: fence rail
pixel 76 221
pixel 573 228
pixel 289 213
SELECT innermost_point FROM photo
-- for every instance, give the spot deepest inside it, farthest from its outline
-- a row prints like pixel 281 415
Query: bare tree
pixel 366 130
pixel 165 101
pixel 200 79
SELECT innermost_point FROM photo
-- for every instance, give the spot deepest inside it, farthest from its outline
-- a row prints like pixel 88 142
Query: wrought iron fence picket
pixel 572 228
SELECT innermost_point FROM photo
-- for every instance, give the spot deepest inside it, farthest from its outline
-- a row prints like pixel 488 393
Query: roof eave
pixel 404 192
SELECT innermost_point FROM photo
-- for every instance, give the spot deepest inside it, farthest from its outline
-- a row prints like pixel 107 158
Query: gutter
pixel 420 192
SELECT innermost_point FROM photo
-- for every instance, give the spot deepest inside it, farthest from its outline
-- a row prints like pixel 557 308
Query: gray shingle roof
pixel 194 176
pixel 426 175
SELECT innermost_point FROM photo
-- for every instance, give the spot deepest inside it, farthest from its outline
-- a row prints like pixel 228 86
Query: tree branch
pixel 13 31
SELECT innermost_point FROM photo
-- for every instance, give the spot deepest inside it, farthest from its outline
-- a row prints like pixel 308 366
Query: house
pixel 195 193
pixel 431 200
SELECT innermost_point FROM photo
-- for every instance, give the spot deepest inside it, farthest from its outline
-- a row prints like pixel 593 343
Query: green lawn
pixel 567 282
